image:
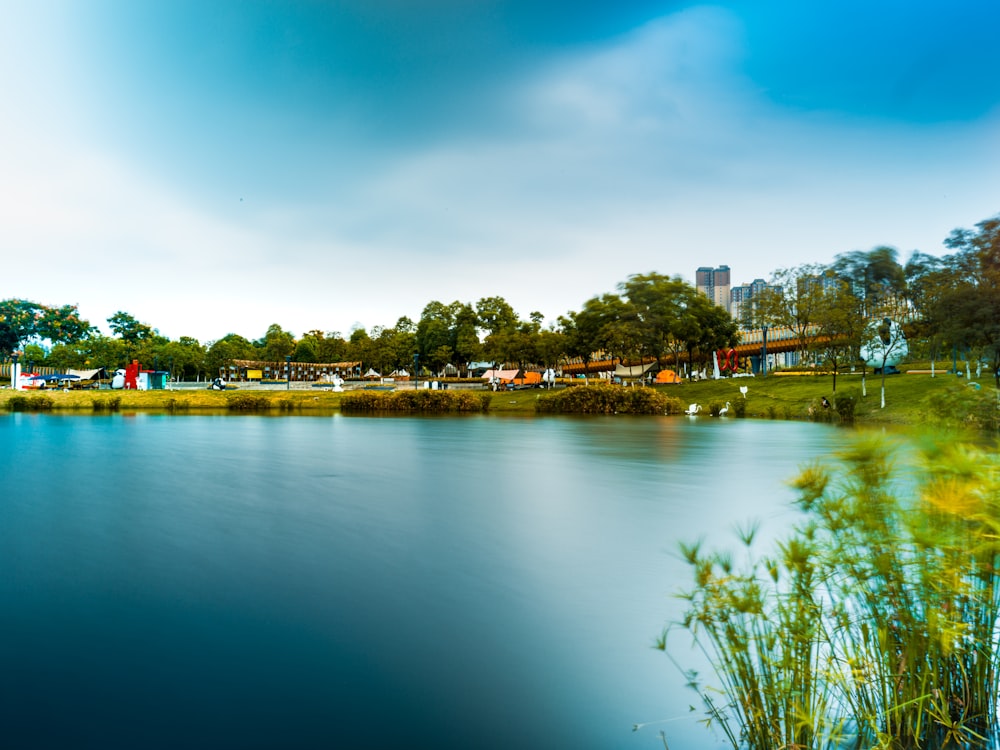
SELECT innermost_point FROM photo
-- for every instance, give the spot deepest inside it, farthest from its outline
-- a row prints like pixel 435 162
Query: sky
pixel 218 167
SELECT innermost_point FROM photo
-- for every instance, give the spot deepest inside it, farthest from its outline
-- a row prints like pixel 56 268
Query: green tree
pixel 840 323
pixel 875 277
pixel 661 302
pixel 967 309
pixel 582 331
pixel 221 353
pixel 22 321
pixel 792 300
pixel 495 314
pixel 276 344
pixel 184 358
pixel 128 329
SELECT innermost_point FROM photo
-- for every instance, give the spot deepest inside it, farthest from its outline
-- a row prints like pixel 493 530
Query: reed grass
pixel 874 624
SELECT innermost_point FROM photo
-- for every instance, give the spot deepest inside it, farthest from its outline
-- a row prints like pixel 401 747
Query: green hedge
pixel 608 399
pixel 420 401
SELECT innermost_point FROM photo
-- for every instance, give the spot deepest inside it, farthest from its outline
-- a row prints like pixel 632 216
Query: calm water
pixel 253 582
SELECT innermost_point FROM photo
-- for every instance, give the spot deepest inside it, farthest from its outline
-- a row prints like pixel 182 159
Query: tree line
pixel 946 303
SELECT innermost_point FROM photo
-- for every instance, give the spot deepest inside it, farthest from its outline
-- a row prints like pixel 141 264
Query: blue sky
pixel 218 167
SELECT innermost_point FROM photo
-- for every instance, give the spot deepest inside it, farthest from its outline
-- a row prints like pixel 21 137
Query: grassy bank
pixel 773 397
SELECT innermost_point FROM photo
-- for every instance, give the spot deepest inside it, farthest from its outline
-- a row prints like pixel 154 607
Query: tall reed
pixel 874 625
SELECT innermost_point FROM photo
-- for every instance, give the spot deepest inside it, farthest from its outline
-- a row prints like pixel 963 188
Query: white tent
pixel 372 374
pixel 86 374
pixel 634 371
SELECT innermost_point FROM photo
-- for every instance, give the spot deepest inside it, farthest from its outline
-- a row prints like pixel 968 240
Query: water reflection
pixel 363 582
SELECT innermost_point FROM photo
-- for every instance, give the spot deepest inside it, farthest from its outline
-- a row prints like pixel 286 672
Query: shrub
pixel 740 407
pixel 963 406
pixel 37 402
pixel 112 403
pixel 248 402
pixel 608 399
pixel 845 404
pixel 424 400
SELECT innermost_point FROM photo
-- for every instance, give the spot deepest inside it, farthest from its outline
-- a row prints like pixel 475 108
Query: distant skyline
pixel 218 167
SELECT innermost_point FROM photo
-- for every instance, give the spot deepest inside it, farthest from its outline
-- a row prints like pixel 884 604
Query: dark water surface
pixel 254 582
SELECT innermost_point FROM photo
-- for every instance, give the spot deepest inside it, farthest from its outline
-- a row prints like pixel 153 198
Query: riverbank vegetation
pixel 873 624
pixel 608 399
pixel 423 401
pixel 919 399
pixel 948 308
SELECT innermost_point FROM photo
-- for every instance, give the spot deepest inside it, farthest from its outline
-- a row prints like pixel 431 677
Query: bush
pixel 845 404
pixel 248 402
pixel 740 407
pixel 38 402
pixel 960 405
pixel 608 399
pixel 425 400
pixel 106 404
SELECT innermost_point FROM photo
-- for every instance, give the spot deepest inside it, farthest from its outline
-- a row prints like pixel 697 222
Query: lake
pixel 364 582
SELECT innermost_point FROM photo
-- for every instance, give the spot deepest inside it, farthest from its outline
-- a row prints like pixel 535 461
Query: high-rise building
pixel 714 284
pixel 742 296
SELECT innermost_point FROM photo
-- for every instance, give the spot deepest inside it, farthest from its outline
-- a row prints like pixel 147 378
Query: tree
pixel 792 299
pixel 660 304
pixel 185 358
pixel 969 305
pixel 128 329
pixel 22 321
pixel 880 340
pixel 839 326
pixel 276 344
pixel 582 331
pixel 495 314
pixel 221 353
pixel 924 286
pixel 875 277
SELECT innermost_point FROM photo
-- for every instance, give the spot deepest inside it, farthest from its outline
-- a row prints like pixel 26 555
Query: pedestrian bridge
pixel 751 344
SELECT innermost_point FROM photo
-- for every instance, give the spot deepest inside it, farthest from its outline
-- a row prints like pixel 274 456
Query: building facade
pixel 714 283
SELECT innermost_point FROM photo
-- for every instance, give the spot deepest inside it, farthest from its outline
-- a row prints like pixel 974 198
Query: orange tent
pixel 667 376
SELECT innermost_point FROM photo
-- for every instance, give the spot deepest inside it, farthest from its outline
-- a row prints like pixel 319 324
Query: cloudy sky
pixel 215 167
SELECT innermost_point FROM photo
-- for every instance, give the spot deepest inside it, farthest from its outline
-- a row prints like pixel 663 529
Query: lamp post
pixel 288 372
pixel 763 356
pixel 416 371
pixel 13 370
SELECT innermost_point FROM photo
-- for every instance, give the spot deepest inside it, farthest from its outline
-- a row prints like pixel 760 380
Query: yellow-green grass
pixel 792 396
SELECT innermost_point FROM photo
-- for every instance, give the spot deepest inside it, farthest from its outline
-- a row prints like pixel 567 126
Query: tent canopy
pixel 635 371
pixel 55 378
pixel 86 374
pixel 500 374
